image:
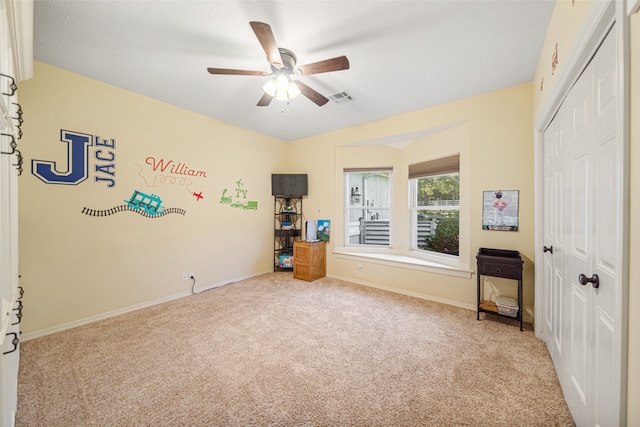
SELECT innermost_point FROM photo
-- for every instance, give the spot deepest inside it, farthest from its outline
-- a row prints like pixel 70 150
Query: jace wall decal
pixel 78 168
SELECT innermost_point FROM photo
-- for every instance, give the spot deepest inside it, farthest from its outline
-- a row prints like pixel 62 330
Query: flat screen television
pixel 289 185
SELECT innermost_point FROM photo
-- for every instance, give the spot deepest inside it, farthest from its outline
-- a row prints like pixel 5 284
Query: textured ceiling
pixel 404 55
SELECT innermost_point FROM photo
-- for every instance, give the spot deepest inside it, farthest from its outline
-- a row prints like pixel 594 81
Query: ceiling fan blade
pixel 265 100
pixel 268 42
pixel 311 94
pixel 229 71
pixel 333 64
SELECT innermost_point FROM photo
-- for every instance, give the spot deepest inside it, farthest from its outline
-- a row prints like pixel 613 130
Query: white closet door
pixel 589 363
pixel 554 237
pixel 606 253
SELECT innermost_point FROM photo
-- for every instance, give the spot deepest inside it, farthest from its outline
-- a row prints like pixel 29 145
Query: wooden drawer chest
pixel 309 260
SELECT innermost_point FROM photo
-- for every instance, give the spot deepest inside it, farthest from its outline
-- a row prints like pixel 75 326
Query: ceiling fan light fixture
pixel 283 69
pixel 293 90
pixel 270 87
pixel 281 95
pixel 282 82
pixel 281 88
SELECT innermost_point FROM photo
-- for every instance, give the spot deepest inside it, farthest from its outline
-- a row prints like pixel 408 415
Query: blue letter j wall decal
pixel 77 164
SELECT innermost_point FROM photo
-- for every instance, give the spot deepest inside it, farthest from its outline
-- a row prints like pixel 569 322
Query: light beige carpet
pixel 274 351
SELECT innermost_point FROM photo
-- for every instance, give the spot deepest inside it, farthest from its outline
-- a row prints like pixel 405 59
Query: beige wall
pixel 493 132
pixel 565 24
pixel 75 266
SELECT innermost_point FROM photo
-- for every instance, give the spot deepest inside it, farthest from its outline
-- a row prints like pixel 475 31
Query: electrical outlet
pixel 185 276
pixel 192 274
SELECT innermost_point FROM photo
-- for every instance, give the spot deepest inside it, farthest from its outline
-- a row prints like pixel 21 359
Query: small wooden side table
pixel 309 260
pixel 499 263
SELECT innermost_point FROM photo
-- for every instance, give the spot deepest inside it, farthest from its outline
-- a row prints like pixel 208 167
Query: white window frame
pixel 399 253
pixel 413 211
pixel 348 207
pixel 431 168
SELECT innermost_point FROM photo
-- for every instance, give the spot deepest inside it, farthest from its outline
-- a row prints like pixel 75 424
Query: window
pixel 434 187
pixel 368 205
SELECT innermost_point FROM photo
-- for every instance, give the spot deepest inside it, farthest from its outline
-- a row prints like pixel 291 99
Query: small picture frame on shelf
pixel 324 230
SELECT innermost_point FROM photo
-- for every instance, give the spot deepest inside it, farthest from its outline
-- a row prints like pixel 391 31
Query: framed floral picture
pixel 324 230
pixel 500 210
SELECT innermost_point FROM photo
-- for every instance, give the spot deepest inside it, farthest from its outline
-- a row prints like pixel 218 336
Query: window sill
pixel 402 260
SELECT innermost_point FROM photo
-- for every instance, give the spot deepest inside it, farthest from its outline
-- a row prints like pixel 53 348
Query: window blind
pixel 363 170
pixel 441 166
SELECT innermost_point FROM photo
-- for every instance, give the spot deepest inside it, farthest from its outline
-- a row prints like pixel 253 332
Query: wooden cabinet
pixel 309 260
pixel 499 263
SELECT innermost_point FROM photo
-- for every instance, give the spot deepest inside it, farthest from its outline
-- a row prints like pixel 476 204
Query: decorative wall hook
pixel 19 312
pixel 15 341
pixel 19 317
pixel 19 126
pixel 13 144
pixel 12 86
pixel 19 119
pixel 20 162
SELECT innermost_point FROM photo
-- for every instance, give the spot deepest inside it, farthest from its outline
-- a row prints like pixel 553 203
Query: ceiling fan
pixel 283 68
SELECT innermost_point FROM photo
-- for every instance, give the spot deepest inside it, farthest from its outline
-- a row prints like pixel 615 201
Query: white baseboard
pixel 113 313
pixel 527 314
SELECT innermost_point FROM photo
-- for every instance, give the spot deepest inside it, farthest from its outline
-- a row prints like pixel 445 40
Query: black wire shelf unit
pixel 287 229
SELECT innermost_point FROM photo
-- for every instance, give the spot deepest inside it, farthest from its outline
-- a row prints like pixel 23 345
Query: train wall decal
pixel 147 205
pixel 227 199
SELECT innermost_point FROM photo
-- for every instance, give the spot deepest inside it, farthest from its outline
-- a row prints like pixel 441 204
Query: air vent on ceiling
pixel 342 97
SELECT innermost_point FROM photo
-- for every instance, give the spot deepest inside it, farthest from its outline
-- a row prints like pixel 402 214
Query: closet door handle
pixel 594 280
